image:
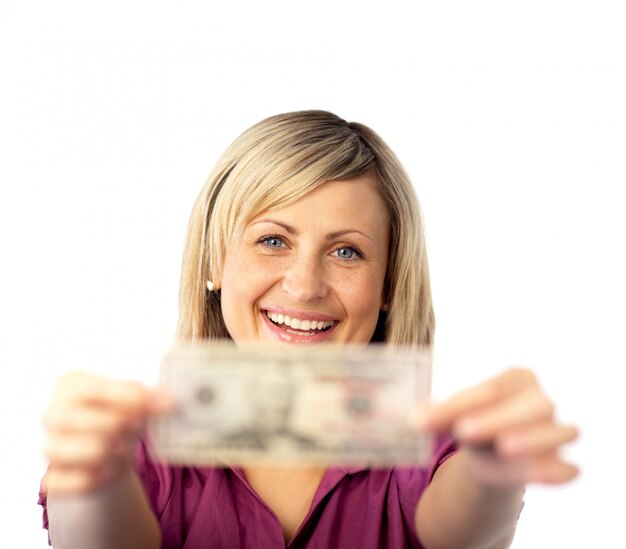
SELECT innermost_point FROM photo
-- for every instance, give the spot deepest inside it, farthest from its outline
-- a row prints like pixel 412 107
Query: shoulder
pixel 411 482
pixel 443 447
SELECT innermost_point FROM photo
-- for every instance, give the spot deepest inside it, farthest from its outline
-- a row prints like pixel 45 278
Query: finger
pixel 59 480
pixel 551 470
pixel 523 408
pixel 76 481
pixel 417 417
pixel 161 401
pixel 86 450
pixel 106 421
pixel 536 440
pixel 86 388
pixel 441 417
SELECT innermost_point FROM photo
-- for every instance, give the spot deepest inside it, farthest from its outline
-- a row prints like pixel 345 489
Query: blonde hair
pixel 273 164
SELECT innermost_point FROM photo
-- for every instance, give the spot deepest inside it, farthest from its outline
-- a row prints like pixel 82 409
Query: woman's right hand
pixel 92 425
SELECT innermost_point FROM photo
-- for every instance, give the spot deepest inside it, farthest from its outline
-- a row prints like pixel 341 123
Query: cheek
pixel 234 295
pixel 243 284
pixel 361 300
pixel 362 296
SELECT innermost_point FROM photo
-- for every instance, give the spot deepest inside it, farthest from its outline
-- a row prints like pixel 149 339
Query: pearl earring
pixel 210 286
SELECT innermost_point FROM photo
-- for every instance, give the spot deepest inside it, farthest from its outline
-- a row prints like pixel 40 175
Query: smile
pixel 299 324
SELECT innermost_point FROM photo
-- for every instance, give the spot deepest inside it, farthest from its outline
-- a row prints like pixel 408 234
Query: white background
pixel 510 118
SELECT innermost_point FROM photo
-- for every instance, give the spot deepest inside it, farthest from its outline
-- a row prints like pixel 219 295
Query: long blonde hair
pixel 273 164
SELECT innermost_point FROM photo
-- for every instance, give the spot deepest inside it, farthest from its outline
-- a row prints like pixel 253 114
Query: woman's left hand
pixel 508 429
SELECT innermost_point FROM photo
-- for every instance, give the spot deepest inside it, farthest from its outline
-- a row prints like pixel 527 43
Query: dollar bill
pixel 331 405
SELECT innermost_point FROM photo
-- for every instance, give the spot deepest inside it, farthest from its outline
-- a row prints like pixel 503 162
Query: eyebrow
pixel 294 231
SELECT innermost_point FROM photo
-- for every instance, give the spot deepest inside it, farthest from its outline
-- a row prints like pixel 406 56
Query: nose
pixel 304 280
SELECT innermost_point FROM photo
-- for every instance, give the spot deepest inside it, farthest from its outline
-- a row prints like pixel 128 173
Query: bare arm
pixel 458 511
pixel 509 437
pixel 95 499
pixel 113 517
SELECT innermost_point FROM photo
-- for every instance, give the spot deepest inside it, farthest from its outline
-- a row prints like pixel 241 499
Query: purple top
pixel 217 508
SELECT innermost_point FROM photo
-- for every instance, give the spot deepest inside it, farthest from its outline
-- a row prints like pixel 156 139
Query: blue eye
pixel 272 242
pixel 346 253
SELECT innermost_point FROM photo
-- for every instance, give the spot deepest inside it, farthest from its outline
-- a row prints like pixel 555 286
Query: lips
pixel 299 326
pixel 302 324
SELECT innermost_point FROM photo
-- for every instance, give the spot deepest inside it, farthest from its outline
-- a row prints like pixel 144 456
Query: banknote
pixel 330 405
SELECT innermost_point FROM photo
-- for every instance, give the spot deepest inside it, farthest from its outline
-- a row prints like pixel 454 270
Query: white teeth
pixel 297 324
pixel 277 318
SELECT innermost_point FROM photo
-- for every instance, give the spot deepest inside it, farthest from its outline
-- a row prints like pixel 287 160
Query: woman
pixel 307 231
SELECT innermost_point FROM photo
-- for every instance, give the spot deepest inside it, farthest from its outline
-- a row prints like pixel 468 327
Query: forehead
pixel 335 202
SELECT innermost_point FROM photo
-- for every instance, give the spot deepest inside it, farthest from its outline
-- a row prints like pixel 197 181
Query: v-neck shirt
pixel 217 508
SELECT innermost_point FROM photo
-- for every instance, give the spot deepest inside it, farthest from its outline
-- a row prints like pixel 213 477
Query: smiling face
pixel 312 271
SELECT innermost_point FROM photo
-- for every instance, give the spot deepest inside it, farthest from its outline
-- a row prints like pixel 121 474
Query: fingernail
pixel 513 446
pixel 420 419
pixel 468 428
pixel 162 401
pixel 418 422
